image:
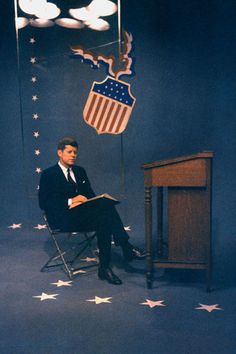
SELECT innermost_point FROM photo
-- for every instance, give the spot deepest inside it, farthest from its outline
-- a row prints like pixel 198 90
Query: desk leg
pixel 148 235
pixel 209 263
pixel 160 222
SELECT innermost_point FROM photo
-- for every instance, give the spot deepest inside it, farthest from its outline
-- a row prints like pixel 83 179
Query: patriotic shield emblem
pixel 109 106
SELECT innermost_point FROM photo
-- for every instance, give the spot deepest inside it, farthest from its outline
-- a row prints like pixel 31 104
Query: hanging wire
pixel 24 173
pixel 123 191
pixel 103 45
pixel 119 26
pixel 19 79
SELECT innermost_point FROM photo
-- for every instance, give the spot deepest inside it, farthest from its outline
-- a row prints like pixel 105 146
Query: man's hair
pixel 66 141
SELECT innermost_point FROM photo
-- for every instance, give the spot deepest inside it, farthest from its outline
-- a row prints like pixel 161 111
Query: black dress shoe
pixel 107 274
pixel 131 252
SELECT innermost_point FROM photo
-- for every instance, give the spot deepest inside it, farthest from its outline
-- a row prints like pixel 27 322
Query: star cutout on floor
pixel 35 116
pixel 37 152
pixel 34 98
pixel 33 60
pixel 152 303
pixel 88 259
pixel 40 227
pixel 45 296
pixel 15 226
pixel 60 283
pixel 99 300
pixel 208 308
pixel 36 134
pixel 32 40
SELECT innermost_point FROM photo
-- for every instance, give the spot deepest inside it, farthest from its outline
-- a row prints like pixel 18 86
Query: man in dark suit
pixel 63 188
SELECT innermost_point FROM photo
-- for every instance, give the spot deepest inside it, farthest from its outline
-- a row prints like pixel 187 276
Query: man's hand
pixel 79 199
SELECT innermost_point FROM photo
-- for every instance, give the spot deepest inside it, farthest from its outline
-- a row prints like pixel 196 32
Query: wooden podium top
pixel 203 154
pixel 193 170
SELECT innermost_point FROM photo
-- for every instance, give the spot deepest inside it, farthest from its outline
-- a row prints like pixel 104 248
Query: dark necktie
pixel 70 179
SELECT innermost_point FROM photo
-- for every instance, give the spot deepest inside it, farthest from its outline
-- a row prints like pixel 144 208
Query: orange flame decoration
pixel 110 60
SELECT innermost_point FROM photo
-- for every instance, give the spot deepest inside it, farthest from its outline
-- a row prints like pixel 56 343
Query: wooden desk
pixel 184 199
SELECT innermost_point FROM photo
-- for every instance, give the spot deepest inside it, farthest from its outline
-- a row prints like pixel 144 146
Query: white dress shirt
pixel 65 169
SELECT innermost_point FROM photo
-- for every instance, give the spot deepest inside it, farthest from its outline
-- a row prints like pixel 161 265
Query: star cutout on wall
pixel 45 296
pixel 152 303
pixel 34 78
pixel 99 300
pixel 33 60
pixel 37 188
pixel 15 226
pixel 38 170
pixel 35 98
pixel 127 228
pixel 35 116
pixel 32 40
pixel 37 152
pixel 36 134
pixel 60 283
pixel 40 227
pixel 88 259
pixel 208 308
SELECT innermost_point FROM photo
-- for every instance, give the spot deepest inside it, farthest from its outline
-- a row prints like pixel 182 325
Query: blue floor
pixel 69 323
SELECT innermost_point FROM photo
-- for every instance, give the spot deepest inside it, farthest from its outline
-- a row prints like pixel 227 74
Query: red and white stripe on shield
pixel 107 114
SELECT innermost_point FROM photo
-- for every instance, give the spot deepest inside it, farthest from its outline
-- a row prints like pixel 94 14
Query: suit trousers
pixel 105 220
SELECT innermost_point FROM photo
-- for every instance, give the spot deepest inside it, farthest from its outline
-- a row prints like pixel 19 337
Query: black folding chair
pixel 70 247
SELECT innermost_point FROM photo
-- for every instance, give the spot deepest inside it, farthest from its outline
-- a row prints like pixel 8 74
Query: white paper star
pixel 33 60
pixel 36 134
pixel 208 308
pixel 37 152
pixel 15 226
pixel 38 170
pixel 80 271
pixel 35 116
pixel 34 78
pixel 88 259
pixel 152 303
pixel 32 40
pixel 34 98
pixel 45 296
pixel 127 228
pixel 99 300
pixel 40 227
pixel 60 283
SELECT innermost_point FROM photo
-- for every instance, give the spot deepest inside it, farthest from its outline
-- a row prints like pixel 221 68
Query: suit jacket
pixel 55 190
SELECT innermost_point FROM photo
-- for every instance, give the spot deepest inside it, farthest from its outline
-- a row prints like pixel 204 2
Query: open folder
pixel 102 199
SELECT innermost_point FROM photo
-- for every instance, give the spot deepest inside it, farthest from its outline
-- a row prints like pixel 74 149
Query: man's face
pixel 68 155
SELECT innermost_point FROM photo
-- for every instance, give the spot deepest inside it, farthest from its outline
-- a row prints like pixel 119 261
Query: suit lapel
pixel 60 173
pixel 76 173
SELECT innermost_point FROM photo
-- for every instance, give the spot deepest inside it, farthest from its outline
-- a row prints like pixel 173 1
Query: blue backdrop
pixel 185 90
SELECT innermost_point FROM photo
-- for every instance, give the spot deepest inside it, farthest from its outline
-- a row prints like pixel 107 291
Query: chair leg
pixel 87 245
pixel 68 264
pixel 58 255
pixel 62 257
